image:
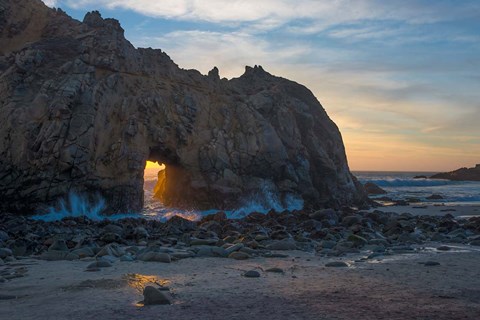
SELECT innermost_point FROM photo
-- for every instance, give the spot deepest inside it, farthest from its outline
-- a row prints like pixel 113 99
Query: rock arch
pixel 81 109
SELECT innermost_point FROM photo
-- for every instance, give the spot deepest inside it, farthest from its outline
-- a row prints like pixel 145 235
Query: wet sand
pixel 398 287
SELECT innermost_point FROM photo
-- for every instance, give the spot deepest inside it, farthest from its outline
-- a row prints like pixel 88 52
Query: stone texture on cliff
pixel 81 109
pixel 462 174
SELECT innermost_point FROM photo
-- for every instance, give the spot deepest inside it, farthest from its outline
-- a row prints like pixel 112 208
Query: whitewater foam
pixel 79 205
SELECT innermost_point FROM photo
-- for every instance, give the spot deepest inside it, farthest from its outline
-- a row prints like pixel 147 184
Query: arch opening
pixel 156 191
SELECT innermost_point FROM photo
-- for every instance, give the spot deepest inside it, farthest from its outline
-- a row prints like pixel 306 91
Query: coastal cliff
pixel 81 109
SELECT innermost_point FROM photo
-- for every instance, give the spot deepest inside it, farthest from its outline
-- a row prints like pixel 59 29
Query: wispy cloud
pixel 277 12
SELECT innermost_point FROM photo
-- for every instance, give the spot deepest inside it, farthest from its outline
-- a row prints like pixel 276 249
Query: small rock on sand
pixel 274 270
pixel 444 248
pixel 99 264
pixel 237 255
pixel 252 274
pixel 336 264
pixel 475 243
pixel 5 252
pixel 153 296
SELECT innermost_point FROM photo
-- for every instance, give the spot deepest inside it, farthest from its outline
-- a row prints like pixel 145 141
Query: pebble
pixel 237 255
pixel 203 242
pixel 252 274
pixel 155 257
pixel 5 252
pixel 234 248
pixel 99 264
pixel 53 255
pixel 431 263
pixel 444 248
pixel 282 245
pixel 153 296
pixel 275 270
pixel 58 245
pixel 84 252
pixel 274 255
pixel 336 264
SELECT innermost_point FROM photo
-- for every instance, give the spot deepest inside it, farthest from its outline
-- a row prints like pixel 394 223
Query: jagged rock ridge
pixel 82 109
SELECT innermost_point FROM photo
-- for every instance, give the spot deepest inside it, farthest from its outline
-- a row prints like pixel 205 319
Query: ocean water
pixel 262 202
pixel 77 206
pixel 399 185
pixel 402 185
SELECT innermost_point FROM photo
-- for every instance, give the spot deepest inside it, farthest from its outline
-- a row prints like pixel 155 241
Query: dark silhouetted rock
pixel 82 109
pixel 434 197
pixel 153 296
pixel 463 174
pixel 372 188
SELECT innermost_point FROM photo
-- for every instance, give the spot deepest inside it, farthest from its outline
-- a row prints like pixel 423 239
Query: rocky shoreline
pixel 325 232
pixel 295 250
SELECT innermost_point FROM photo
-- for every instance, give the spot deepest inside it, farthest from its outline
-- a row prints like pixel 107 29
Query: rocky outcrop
pixel 462 174
pixel 81 109
pixel 373 189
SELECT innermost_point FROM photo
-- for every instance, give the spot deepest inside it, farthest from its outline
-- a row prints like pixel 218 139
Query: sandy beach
pixel 397 287
pixel 386 265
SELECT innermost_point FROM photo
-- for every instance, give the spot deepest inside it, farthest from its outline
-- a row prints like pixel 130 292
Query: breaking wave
pixel 78 205
pixel 409 182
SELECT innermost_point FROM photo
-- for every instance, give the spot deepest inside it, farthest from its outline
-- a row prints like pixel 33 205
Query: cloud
pixel 318 14
pixel 229 51
pixel 51 3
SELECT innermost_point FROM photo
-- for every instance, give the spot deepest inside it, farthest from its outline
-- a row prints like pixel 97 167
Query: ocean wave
pixel 409 182
pixel 78 205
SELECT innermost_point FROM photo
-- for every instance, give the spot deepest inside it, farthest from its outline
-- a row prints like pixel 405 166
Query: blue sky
pixel 400 78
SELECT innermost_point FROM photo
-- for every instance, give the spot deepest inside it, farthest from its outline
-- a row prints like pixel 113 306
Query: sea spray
pixel 79 205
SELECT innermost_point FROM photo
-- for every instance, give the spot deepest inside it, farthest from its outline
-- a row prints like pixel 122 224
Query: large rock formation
pixel 462 174
pixel 81 109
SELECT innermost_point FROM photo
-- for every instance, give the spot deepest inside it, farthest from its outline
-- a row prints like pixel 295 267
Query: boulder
pixel 372 188
pixel 153 296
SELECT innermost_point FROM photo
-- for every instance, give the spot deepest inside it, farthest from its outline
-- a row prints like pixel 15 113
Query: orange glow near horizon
pixel 376 152
pixel 154 165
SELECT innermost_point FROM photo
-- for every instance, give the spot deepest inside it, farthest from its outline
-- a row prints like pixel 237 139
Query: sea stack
pixel 81 109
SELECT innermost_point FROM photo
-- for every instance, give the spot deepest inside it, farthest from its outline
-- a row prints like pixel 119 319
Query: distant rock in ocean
pixel 82 110
pixel 372 188
pixel 462 174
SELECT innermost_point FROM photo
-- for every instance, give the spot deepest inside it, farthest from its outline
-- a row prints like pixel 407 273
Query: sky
pixel 401 79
